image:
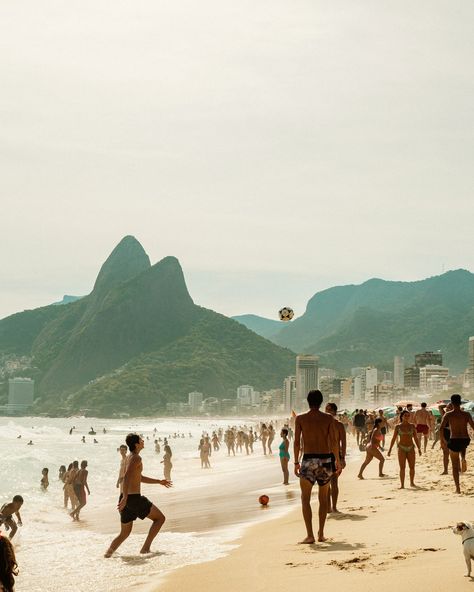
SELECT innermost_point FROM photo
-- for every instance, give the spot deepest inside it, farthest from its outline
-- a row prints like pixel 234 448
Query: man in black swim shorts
pixel 316 435
pixel 132 504
pixel 459 440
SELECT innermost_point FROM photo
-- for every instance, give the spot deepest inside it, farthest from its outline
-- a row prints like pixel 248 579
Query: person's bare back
pixel 318 432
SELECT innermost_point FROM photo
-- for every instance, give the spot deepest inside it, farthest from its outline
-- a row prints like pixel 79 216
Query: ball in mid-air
pixel 264 499
pixel 286 313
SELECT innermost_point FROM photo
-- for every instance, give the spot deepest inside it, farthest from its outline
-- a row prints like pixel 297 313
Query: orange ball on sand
pixel 264 499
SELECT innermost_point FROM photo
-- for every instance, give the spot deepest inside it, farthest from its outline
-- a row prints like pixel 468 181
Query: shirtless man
pixel 132 504
pixel 316 435
pixel 6 514
pixel 459 439
pixel 80 487
pixel 123 466
pixel 333 490
pixel 411 419
pixel 423 422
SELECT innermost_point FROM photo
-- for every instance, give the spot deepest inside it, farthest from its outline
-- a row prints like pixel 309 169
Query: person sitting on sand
pixel 459 439
pixel 373 449
pixel 407 440
pixel 8 565
pixel 6 515
pixel 316 436
pixel 132 504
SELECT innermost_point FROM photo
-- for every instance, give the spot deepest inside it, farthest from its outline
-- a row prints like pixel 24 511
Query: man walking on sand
pixel 423 422
pixel 459 440
pixel 316 435
pixel 132 504
pixel 333 490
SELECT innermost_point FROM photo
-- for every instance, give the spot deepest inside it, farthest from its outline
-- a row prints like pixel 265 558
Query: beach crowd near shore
pixel 312 450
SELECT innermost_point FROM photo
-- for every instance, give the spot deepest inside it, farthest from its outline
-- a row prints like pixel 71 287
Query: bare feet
pixel 144 551
pixel 360 476
pixel 444 473
pixel 307 541
pixel 109 553
pixel 382 475
pixel 321 538
pixel 463 465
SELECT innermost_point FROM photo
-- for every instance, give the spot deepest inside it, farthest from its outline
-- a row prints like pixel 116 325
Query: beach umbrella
pixel 405 402
pixel 390 412
pixel 446 401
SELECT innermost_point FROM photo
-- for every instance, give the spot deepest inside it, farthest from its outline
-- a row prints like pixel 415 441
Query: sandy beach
pixel 384 538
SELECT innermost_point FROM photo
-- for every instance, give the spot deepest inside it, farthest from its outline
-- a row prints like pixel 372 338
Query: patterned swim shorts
pixel 318 468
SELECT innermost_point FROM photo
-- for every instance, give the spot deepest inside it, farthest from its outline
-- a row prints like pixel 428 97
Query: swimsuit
pixel 458 444
pixel 283 454
pixel 80 492
pixel 138 506
pixel 406 449
pixel 318 468
pixel 422 428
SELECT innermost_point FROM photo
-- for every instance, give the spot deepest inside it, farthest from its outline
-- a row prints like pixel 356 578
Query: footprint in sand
pixel 358 562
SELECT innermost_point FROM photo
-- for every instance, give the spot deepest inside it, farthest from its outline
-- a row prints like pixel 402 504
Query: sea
pixel 206 509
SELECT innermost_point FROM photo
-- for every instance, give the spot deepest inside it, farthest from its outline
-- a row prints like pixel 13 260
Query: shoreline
pixel 406 537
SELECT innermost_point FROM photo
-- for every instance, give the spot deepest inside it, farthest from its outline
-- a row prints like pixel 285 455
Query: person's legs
pixel 411 458
pixel 445 450
pixel 379 456
pixel 402 459
pixel 323 510
pixel 368 459
pixel 13 527
pixel 158 519
pixel 456 466
pixel 284 468
pixel 306 488
pixel 333 493
pixel 125 531
pixel 425 437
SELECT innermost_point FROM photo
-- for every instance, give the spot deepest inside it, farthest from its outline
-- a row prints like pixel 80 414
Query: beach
pixel 384 539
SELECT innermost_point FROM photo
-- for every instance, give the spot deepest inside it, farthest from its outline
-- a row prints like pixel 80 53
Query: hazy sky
pixel 275 147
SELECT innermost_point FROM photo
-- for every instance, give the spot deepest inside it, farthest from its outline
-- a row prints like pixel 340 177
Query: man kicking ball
pixel 132 504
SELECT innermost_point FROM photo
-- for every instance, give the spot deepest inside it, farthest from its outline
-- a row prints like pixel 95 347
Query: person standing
pixel 264 437
pixel 407 440
pixel 459 439
pixel 316 436
pixel 359 425
pixel 133 505
pixel 333 490
pixel 285 455
pixel 123 464
pixel 8 565
pixel 44 479
pixel 423 421
pixel 80 487
pixel 167 464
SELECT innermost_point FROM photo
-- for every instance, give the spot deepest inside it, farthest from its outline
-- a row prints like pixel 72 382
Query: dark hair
pixel 83 464
pixel 284 431
pixel 403 413
pixel 75 464
pixel 314 398
pixel 456 400
pixel 399 408
pixel 124 446
pixel 69 466
pixel 45 470
pixel 18 499
pixel 377 421
pixel 62 468
pixel 8 564
pixel 423 404
pixel 332 406
pixel 132 440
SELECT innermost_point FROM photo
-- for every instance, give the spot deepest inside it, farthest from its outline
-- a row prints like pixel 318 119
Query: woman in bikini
pixel 407 440
pixel 373 449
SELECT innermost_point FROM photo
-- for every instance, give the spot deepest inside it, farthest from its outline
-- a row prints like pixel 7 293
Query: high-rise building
pixel 399 371
pixel 289 393
pixel 307 378
pixel 371 379
pixel 357 371
pixel 412 377
pixel 471 363
pixel 433 378
pixel 359 387
pixel 195 401
pixel 244 394
pixel 21 393
pixel 429 359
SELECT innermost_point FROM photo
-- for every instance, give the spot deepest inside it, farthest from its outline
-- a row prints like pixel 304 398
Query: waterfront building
pixel 21 393
pixel 307 378
pixel 195 401
pixel 433 378
pixel 429 359
pixel 399 371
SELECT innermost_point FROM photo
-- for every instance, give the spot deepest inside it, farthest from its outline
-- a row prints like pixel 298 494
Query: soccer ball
pixel 286 313
pixel 264 499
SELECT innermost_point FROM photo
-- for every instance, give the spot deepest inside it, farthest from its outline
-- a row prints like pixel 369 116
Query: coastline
pixel 406 538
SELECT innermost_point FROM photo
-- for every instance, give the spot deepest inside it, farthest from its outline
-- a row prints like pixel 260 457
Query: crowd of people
pixel 319 450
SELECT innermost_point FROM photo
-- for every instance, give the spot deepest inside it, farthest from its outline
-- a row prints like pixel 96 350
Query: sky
pixel 277 148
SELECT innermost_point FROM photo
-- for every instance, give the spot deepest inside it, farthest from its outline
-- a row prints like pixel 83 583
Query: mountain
pixel 67 299
pixel 138 341
pixel 371 323
pixel 267 328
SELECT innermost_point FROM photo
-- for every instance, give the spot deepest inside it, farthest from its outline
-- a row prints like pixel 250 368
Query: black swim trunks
pixel 318 468
pixel 458 444
pixel 138 506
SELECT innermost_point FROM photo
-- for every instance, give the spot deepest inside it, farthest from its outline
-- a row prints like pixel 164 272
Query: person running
pixel 6 515
pixel 80 487
pixel 407 440
pixel 459 439
pixel 167 464
pixel 8 565
pixel 423 421
pixel 333 491
pixel 316 436
pixel 373 449
pixel 132 504
pixel 284 455
pixel 123 464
